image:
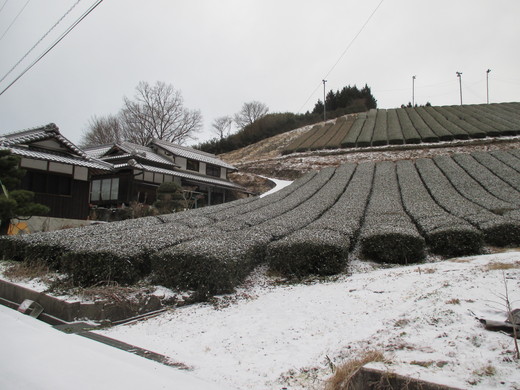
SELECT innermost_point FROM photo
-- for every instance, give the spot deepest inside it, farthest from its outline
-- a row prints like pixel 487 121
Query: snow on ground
pixel 421 317
pixel 36 356
pixel 279 184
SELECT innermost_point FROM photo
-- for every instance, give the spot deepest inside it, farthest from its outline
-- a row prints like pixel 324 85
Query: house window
pixel 192 165
pixel 48 183
pixel 212 170
pixel 104 189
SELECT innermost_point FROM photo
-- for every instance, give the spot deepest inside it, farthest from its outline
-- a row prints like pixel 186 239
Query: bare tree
pixel 102 130
pixel 158 112
pixel 249 113
pixel 222 126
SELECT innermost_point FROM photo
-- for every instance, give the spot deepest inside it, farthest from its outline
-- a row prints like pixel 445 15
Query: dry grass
pixel 497 265
pixel 454 301
pixel 344 374
pixel 24 271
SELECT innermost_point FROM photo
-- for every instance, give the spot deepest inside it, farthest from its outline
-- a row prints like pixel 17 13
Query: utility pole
pixel 324 106
pixel 413 91
pixel 459 74
pixel 487 85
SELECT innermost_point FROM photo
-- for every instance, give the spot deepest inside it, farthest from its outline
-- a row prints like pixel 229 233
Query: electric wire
pixel 343 54
pixel 53 45
pixel 39 41
pixel 3 5
pixel 14 20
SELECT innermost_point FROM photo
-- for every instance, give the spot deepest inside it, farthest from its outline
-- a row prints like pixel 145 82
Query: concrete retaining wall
pixel 73 311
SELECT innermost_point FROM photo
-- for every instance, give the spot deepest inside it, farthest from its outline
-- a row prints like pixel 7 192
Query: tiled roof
pixel 182 174
pixel 130 150
pixel 191 153
pixel 56 157
pixel 39 134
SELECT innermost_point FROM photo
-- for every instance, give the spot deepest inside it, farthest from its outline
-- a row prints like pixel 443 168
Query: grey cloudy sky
pixel 223 53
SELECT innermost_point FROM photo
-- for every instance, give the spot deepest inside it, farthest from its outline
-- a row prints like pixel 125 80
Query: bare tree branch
pixel 102 130
pixel 249 113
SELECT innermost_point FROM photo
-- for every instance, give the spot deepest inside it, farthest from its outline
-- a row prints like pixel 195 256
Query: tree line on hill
pixel 255 123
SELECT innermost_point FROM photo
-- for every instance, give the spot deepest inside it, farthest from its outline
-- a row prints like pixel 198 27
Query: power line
pixel 344 52
pixel 14 20
pixel 54 44
pixel 3 5
pixel 39 41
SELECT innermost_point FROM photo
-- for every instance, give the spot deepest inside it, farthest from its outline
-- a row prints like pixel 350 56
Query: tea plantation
pixel 394 212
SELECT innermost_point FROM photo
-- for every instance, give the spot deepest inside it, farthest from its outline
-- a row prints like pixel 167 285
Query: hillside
pixel 289 155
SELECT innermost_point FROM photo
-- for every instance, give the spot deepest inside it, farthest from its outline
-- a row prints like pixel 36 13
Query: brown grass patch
pixel 421 363
pixel 454 301
pixel 344 374
pixel 497 265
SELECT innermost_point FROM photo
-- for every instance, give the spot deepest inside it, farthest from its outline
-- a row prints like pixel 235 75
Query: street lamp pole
pixel 459 75
pixel 487 85
pixel 413 91
pixel 324 108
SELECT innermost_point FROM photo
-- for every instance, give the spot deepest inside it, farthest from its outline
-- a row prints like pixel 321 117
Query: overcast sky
pixel 223 53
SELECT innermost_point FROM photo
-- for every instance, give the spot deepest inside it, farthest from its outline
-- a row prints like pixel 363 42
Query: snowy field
pixel 422 317
pixel 272 335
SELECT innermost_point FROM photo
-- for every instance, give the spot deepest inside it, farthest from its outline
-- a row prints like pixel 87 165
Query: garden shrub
pixel 309 252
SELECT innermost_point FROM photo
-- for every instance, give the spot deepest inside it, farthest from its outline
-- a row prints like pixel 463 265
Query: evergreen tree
pixel 15 203
pixel 169 198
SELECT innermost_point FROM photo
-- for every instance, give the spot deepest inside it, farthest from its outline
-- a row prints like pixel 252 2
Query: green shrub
pixel 309 252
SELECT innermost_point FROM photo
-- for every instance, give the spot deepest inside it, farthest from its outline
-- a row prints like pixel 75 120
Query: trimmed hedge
pixel 427 135
pixel 395 134
pixel 463 123
pixel 211 265
pixel 388 234
pixel 346 124
pixel 309 252
pixel 295 145
pixel 445 233
pixel 433 123
pixel 448 198
pixel 380 136
pixel 353 134
pixel 367 131
pixel 488 180
pixel 290 202
pixel 470 188
pixel 500 169
pixel 410 133
pixel 346 215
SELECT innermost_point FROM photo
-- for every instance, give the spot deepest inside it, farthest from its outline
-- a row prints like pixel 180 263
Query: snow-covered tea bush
pixel 445 233
pixel 309 252
pixel 388 234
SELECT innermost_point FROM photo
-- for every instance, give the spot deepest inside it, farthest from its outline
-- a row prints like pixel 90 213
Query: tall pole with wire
pixel 413 91
pixel 324 105
pixel 487 85
pixel 459 75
